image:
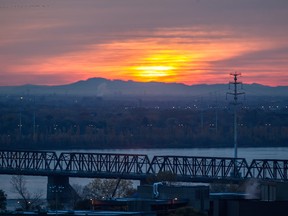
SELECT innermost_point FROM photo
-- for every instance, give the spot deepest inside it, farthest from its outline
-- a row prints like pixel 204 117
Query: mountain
pixel 115 88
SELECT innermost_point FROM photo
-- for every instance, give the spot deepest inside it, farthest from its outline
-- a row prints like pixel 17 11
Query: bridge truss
pixel 140 167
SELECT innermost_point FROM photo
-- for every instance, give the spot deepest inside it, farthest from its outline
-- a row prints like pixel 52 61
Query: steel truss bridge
pixel 140 167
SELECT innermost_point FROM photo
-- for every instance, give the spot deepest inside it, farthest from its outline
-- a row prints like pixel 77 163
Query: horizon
pixel 189 42
pixel 112 80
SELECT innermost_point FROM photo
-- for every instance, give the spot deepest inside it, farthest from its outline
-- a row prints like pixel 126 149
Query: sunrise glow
pixel 195 48
pixel 154 71
pixel 145 60
pixel 165 67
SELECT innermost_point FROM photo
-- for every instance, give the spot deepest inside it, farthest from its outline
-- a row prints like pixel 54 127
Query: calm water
pixel 39 183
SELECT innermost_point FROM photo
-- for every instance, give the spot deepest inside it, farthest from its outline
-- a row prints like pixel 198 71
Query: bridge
pixel 59 167
pixel 140 167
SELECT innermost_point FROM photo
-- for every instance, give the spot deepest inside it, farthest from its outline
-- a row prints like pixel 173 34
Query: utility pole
pixel 235 93
pixel 34 120
pixel 201 114
pixel 216 113
pixel 20 117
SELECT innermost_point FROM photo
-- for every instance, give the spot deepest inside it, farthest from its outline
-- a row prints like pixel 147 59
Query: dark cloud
pixel 277 57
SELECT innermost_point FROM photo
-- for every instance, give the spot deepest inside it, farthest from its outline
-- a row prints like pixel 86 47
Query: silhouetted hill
pixel 105 87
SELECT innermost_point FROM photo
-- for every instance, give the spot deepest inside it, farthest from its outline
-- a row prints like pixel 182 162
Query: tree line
pixel 118 124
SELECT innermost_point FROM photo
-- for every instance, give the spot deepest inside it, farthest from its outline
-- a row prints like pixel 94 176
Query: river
pixel 37 183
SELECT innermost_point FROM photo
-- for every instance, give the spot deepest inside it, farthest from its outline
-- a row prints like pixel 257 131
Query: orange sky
pixel 59 42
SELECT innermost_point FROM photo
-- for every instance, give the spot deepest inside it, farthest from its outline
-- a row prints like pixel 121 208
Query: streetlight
pixel 92 203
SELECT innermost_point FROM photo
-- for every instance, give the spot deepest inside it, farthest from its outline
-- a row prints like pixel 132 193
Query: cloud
pixel 91 34
pixel 264 66
pixel 8 79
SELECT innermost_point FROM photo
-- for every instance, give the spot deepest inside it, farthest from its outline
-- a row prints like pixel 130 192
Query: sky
pixel 55 42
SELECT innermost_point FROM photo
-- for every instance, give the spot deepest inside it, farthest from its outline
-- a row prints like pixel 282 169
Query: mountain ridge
pixel 98 86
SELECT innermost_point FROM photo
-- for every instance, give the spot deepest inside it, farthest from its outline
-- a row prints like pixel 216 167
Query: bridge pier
pixel 145 182
pixel 59 191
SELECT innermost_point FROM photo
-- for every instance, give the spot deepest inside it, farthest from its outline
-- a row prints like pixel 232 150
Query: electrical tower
pixel 235 93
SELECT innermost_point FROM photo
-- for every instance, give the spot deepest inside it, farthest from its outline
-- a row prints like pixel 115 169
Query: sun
pixel 162 67
pixel 154 72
